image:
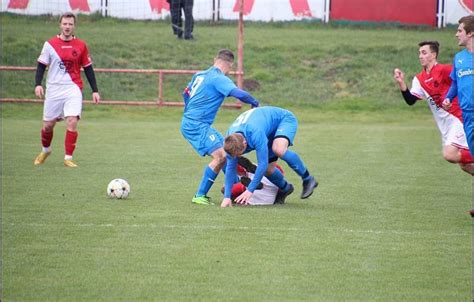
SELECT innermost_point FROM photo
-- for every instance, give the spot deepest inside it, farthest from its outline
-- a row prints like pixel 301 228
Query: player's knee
pixel 279 150
pixel 450 157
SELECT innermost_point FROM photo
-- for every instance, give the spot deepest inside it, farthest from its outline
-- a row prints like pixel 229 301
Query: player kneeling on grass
pixel 265 193
pixel 269 131
pixel 432 83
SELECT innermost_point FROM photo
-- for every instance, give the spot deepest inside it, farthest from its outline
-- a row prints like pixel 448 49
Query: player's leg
pixel 288 127
pixel 46 139
pixel 276 177
pixel 52 111
pixel 72 113
pixel 212 145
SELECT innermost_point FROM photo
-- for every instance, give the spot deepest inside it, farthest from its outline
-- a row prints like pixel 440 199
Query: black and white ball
pixel 118 189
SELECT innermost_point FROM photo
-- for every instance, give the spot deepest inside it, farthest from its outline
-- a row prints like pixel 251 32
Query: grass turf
pixel 388 221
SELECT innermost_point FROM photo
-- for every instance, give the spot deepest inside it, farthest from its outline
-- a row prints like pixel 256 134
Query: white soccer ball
pixel 118 188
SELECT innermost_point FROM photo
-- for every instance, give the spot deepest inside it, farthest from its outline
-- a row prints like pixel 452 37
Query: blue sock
pixel 278 180
pixel 294 161
pixel 206 182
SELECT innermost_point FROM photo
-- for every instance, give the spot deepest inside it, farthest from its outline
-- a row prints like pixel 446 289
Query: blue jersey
pixel 260 126
pixel 463 80
pixel 207 90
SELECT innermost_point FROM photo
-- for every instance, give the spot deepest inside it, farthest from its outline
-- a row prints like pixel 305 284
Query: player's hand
pixel 244 198
pixel 447 104
pixel 96 97
pixel 398 75
pixel 39 92
pixel 227 202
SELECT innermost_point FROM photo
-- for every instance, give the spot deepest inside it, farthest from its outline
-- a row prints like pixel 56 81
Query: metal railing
pixel 160 73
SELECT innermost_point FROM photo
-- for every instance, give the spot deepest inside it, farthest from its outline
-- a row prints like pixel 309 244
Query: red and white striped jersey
pixel 433 87
pixel 64 60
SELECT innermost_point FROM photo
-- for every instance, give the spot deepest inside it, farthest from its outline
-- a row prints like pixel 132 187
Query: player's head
pixel 67 23
pixel 465 30
pixel 224 60
pixel 428 52
pixel 235 144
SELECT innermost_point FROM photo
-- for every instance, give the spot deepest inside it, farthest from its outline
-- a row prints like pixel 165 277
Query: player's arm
pixel 40 70
pixel 244 97
pixel 453 89
pixel 230 176
pixel 399 77
pixel 90 75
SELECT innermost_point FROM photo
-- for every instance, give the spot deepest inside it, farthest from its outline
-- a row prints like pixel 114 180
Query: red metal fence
pixel 160 73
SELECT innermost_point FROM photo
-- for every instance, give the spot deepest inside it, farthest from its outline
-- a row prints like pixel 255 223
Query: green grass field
pixel 389 221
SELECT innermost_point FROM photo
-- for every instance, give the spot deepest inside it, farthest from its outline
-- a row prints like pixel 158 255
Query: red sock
pixel 466 157
pixel 70 142
pixel 46 138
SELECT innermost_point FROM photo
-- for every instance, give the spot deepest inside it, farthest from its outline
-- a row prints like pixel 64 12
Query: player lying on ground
pixel 265 193
pixel 269 131
pixel 431 84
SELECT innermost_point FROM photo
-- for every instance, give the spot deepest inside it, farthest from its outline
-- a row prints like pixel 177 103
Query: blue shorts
pixel 201 136
pixel 468 124
pixel 287 129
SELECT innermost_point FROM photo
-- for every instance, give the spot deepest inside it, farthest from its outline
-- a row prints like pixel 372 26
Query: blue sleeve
pixel 224 85
pixel 453 89
pixel 244 97
pixel 230 175
pixel 262 160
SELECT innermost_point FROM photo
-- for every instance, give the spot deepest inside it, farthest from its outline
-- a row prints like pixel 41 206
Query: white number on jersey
pixel 242 119
pixel 197 82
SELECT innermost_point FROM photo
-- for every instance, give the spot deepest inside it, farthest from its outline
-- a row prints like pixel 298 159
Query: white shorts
pixel 454 135
pixel 62 101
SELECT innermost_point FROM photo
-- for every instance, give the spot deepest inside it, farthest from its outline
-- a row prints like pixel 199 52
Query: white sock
pixel 67 157
pixel 46 149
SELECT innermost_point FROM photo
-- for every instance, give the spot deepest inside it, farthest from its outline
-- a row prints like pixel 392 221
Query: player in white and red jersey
pixel 265 193
pixel 432 84
pixel 64 55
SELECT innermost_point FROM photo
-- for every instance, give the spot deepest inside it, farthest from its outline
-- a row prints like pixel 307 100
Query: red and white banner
pixel 455 9
pixel 402 11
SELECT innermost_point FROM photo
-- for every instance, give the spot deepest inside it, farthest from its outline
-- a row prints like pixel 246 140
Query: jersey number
pixel 197 82
pixel 242 119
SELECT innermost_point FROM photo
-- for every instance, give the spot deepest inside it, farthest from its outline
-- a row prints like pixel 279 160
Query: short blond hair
pixel 234 143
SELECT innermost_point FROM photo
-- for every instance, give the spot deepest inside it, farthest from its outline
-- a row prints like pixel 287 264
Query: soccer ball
pixel 118 188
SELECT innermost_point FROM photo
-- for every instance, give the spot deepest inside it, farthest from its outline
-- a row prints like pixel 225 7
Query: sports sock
pixel 466 157
pixel 46 138
pixel 295 162
pixel 70 142
pixel 278 180
pixel 207 181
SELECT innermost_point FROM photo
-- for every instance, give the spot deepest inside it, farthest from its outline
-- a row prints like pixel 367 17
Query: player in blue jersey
pixel 463 78
pixel 202 99
pixel 269 131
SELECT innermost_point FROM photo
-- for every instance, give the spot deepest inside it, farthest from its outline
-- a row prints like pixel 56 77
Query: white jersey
pixel 64 60
pixel 432 87
pixel 265 196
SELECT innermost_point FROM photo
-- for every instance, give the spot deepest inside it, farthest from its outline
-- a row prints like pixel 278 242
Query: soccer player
pixel 269 131
pixel 431 84
pixel 202 99
pixel 264 194
pixel 64 54
pixel 463 78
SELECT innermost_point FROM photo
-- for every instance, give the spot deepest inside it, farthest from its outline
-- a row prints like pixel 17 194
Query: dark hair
pixel 67 15
pixel 468 22
pixel 226 55
pixel 434 46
